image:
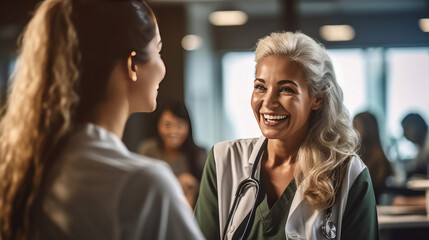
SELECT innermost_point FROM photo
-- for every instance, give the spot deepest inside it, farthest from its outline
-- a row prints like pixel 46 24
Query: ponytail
pixel 39 112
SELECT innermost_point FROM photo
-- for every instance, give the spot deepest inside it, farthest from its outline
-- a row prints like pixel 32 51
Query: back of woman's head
pixel 331 138
pixel 67 52
pixel 108 32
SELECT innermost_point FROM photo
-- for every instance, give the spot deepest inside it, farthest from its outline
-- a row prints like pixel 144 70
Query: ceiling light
pixel 228 18
pixel 191 42
pixel 424 24
pixel 337 32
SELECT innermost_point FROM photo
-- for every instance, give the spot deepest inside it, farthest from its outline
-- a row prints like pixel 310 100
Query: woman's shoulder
pixel 355 165
pixel 237 144
pixel 146 167
pixel 141 170
pixel 141 163
pixel 236 154
pixel 148 146
pixel 149 142
pixel 240 148
pixel 102 152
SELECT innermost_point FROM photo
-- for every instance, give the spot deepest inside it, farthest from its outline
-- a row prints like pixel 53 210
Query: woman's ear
pixel 132 67
pixel 317 103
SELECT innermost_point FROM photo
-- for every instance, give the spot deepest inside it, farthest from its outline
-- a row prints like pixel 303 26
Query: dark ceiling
pixel 14 14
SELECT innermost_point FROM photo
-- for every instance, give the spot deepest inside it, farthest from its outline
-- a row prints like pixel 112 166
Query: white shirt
pixel 97 189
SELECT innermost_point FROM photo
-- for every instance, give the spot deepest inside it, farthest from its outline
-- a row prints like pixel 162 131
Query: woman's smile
pixel 272 120
pixel 281 99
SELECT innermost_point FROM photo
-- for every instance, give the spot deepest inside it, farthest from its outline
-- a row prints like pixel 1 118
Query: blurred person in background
pixel 175 144
pixel 416 130
pixel 371 151
pixel 83 68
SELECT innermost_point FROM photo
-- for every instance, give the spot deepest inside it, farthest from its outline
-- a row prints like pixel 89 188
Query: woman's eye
pixel 259 87
pixel 287 89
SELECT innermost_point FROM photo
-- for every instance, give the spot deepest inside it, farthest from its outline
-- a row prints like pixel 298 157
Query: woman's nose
pixel 271 99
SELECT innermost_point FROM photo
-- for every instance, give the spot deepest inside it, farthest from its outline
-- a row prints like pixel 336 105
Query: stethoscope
pixel 251 181
pixel 327 228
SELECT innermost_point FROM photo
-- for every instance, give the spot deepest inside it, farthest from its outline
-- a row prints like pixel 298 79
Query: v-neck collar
pixel 280 208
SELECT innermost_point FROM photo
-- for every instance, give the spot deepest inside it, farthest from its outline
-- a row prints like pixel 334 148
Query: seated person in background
pixel 415 130
pixel 372 152
pixel 175 145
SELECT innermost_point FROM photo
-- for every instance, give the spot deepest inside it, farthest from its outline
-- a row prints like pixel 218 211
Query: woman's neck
pixel 280 153
pixel 111 116
pixel 113 112
pixel 278 169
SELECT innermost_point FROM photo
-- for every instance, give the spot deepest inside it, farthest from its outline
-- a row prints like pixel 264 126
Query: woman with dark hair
pixel 371 151
pixel 83 68
pixel 175 145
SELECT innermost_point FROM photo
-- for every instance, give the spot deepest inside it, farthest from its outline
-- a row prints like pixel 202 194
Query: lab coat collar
pixel 259 143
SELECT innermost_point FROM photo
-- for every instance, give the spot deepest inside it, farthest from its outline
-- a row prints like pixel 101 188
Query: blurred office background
pixel 380 50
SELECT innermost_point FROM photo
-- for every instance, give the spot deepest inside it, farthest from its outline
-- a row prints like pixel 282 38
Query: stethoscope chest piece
pixel 328 227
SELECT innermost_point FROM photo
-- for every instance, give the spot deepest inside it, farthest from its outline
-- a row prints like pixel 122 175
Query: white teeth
pixel 273 117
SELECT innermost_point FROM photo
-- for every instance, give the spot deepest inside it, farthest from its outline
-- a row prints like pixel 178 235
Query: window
pixel 349 67
pixel 407 91
pixel 408 85
pixel 237 81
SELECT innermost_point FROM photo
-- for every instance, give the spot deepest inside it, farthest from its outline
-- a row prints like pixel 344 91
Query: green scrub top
pixel 359 220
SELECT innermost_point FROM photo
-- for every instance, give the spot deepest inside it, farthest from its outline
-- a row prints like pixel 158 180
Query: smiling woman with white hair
pixel 302 179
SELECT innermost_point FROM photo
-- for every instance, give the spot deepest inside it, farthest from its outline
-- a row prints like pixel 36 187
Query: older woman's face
pixel 281 100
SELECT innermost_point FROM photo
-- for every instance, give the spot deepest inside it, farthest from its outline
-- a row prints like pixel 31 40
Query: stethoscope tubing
pixel 243 184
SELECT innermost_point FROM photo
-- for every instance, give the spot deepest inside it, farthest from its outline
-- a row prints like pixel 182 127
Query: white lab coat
pixel 97 189
pixel 234 162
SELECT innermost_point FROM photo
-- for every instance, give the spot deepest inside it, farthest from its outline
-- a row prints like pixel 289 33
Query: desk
pixel 390 217
pixel 421 184
pixel 402 222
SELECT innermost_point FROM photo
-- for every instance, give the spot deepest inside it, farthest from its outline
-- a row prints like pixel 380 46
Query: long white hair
pixel 322 157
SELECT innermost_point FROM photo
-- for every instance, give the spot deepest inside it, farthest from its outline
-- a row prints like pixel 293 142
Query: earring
pixel 133 66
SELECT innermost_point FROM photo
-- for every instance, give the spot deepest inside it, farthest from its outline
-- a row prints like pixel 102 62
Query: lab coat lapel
pixel 301 219
pixel 256 149
pixel 247 200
